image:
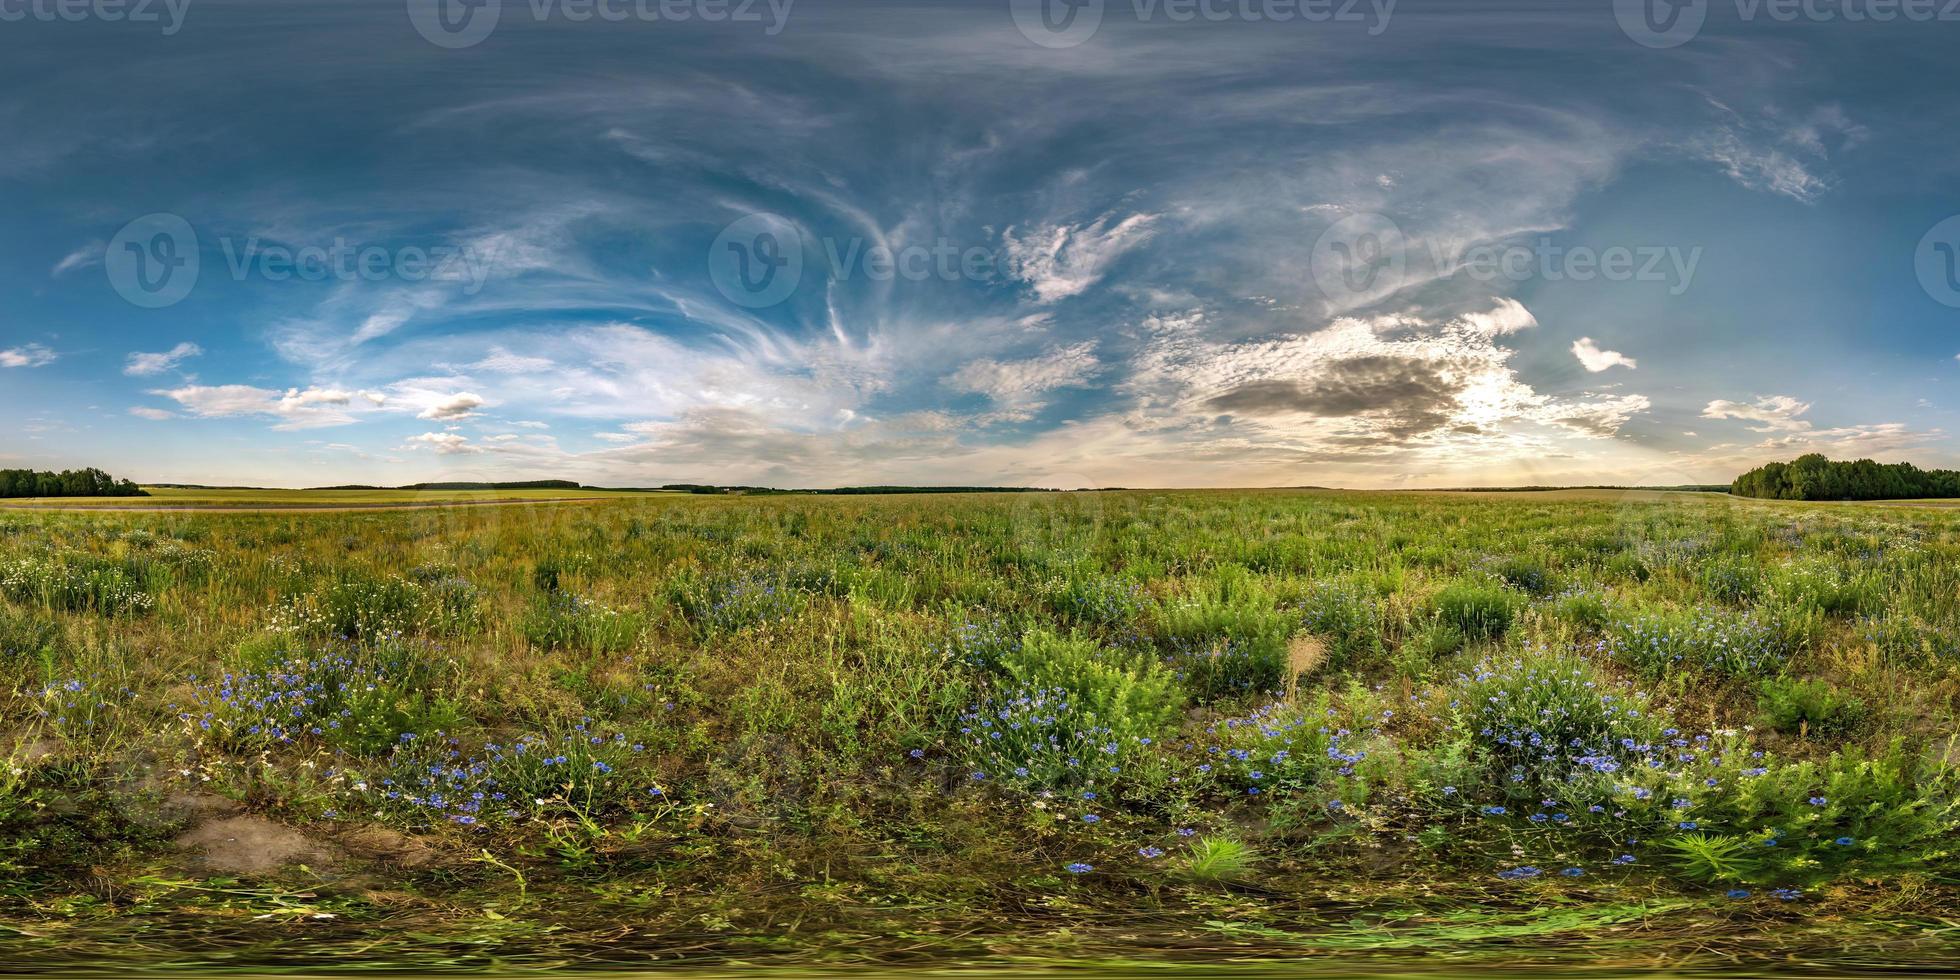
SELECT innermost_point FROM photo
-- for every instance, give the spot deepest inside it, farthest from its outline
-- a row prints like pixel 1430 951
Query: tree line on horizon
pixel 89 482
pixel 1813 477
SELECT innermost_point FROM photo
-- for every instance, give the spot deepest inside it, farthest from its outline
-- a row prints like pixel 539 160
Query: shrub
pixel 1732 580
pixel 431 779
pixel 983 644
pixel 358 700
pixel 1809 705
pixel 357 606
pixel 74 583
pixel 1826 587
pixel 26 637
pixel 562 621
pixel 1478 610
pixel 1546 715
pixel 1343 615
pixel 1069 714
pixel 730 603
pixel 1523 574
pixel 1217 861
pixel 1225 646
pixel 1736 645
pixel 1094 600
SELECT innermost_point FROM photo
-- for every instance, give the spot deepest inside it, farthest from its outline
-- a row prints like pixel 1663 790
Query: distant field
pixel 167 497
pixel 1626 727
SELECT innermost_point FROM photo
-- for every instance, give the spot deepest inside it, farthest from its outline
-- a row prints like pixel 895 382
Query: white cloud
pixel 154 414
pixel 444 443
pixel 1018 386
pixel 1774 413
pixel 142 365
pixel 1595 360
pixel 81 258
pixel 1507 317
pixel 27 356
pixel 1058 261
pixel 295 408
pixel 461 405
pixel 501 361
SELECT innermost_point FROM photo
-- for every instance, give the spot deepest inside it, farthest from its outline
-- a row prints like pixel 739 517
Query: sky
pixel 1142 243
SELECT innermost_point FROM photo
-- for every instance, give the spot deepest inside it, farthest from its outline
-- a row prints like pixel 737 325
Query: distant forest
pixel 90 482
pixel 510 485
pixel 1813 477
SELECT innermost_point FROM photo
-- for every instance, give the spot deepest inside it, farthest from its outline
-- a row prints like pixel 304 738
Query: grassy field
pixel 1584 729
pixel 167 497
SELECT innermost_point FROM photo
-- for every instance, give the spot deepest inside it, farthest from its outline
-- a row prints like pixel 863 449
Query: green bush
pixel 562 621
pixel 1068 713
pixel 1226 644
pixel 360 699
pixel 1478 610
pixel 1809 705
pixel 1732 644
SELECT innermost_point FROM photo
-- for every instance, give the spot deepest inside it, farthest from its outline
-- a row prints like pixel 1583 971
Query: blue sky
pixel 826 243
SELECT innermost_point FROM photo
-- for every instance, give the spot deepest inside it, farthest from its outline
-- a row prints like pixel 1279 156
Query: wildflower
pixel 1150 852
pixel 1574 872
pixel 1078 868
pixel 1843 842
pixel 1091 818
pixel 917 753
pixel 1738 893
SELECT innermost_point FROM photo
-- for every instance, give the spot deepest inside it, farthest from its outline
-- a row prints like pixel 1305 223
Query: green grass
pixel 866 729
pixel 163 497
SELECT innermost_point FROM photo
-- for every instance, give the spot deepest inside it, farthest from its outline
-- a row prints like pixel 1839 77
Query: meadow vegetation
pixel 979 725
